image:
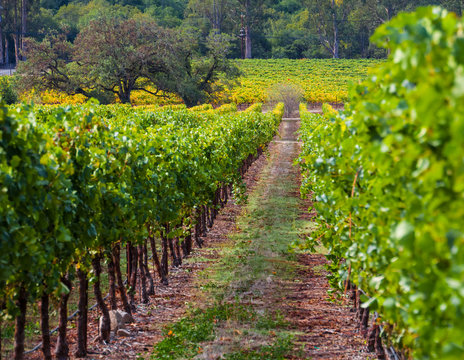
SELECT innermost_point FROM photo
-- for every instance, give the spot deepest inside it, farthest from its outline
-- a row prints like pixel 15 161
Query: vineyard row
pixel 79 184
pixel 387 176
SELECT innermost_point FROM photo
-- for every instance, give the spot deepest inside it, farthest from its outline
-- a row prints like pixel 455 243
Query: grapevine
pixel 80 183
pixel 387 179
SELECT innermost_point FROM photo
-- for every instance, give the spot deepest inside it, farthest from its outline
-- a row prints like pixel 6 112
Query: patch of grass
pixel 182 338
pixel 271 321
pixel 279 350
pixel 199 259
pixel 212 287
pixel 319 270
pixel 8 91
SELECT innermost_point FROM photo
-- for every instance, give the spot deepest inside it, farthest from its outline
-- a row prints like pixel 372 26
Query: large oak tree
pixel 119 56
pixel 114 56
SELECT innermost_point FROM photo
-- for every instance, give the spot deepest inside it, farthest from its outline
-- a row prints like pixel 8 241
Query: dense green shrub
pixel 7 91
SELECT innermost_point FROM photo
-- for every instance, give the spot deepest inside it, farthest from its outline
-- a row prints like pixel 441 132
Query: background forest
pixel 259 28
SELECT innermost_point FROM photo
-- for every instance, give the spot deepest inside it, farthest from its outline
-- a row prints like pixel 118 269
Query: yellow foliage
pixel 323 81
pixel 257 107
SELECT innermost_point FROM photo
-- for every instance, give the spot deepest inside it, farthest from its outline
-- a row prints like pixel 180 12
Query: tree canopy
pixel 113 57
pixel 269 28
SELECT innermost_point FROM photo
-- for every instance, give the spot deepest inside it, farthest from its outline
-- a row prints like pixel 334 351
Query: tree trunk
pixel 215 18
pixel 20 324
pixel 124 94
pixel 371 339
pixel 16 47
pixel 365 319
pixel 380 351
pixel 45 327
pixel 198 228
pixel 105 327
pixel 125 98
pixel 16 35
pixel 7 50
pixel 247 42
pixel 82 306
pixel 23 26
pixel 203 219
pixel 62 348
pixel 2 54
pixel 223 196
pixel 158 266
pixel 247 31
pixel 112 283
pixel 336 40
pixel 187 244
pixel 121 287
pixel 389 11
pixel 209 212
pixel 215 205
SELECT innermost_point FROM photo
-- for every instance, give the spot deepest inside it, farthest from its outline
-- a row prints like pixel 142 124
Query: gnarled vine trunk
pixel 62 348
pixel 143 278
pixel 82 321
pixel 159 268
pixel 105 323
pixel 112 282
pixel 121 287
pixel 20 324
pixel 45 326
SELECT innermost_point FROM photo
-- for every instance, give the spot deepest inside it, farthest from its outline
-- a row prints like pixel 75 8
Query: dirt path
pixel 246 294
pixel 327 329
pixel 266 301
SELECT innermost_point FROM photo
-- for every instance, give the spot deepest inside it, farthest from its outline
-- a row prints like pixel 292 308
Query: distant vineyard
pixel 80 184
pixel 321 80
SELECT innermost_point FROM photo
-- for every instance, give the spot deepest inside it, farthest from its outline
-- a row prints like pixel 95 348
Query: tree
pixel 271 28
pixel 118 56
pixel 49 66
pixel 215 11
pixel 112 56
pixel 195 78
pixel 252 12
pixel 454 5
pixel 108 56
pixel 14 25
pixel 385 10
pixel 328 17
pixel 289 35
pixel 361 25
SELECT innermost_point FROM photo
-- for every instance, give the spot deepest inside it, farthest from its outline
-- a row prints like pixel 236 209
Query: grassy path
pixel 261 300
